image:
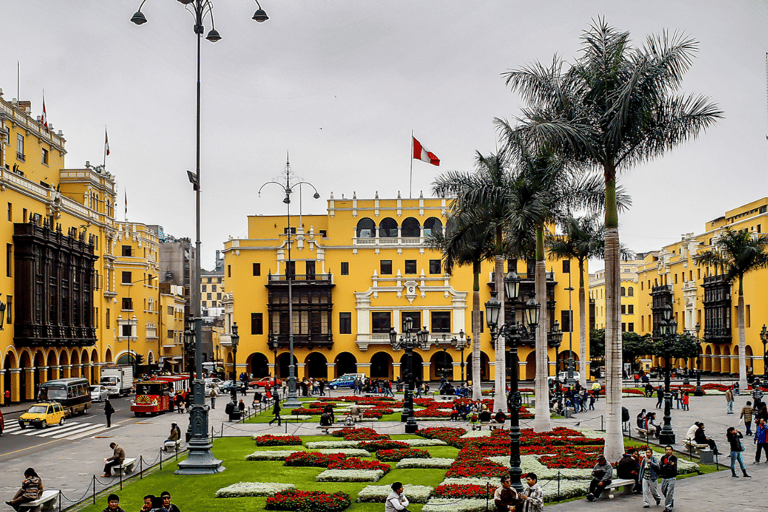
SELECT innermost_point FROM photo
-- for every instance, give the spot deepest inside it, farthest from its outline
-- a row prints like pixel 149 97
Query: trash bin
pixel 568 412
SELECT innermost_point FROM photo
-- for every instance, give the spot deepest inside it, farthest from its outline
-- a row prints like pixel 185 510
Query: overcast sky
pixel 341 85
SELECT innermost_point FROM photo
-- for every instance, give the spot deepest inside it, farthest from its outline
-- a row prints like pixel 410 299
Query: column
pixel 2 387
pixel 330 371
pixel 43 374
pixel 425 367
pixel 301 371
pixel 365 369
pixel 552 368
pixel 491 371
pixel 456 378
pixel 396 371
pixel 56 372
pixel 15 384
pixel 29 378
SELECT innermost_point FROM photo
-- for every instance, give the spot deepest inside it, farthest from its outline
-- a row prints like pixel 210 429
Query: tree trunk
pixel 500 388
pixel 541 422
pixel 742 339
pixel 614 439
pixel 582 329
pixel 477 392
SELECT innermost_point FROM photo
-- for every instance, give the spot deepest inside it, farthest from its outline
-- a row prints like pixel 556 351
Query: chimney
pixel 26 106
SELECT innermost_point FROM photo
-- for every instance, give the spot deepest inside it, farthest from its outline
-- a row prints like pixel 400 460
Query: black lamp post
pixel 512 332
pixel 235 339
pixel 763 338
pixel 668 331
pixel 444 343
pixel 555 340
pixel 200 459
pixel 698 391
pixel 189 345
pixel 408 341
pixel 461 343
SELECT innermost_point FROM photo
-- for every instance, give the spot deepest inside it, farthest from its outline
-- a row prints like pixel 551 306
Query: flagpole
pixel 105 147
pixel 410 179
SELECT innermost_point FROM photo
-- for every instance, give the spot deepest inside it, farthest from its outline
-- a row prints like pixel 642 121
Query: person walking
pixel 649 476
pixel 746 414
pixel 108 411
pixel 729 400
pixel 760 440
pixel 737 449
pixel 213 398
pixel 686 401
pixel 276 413
pixel 7 396
pixel 668 473
pixel 659 396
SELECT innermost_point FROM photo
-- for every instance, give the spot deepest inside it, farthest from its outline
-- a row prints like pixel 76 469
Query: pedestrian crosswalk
pixel 70 430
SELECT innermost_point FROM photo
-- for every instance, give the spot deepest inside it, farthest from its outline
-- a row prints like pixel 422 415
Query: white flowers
pixel 271 454
pixel 423 442
pixel 349 452
pixel 242 489
pixel 350 475
pixel 477 433
pixel 379 493
pixel 436 463
pixel 319 445
pixel 455 505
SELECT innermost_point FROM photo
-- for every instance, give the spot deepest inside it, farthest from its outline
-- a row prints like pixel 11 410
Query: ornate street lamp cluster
pixel 235 340
pixel 513 332
pixel 408 341
pixel 668 332
pixel 764 339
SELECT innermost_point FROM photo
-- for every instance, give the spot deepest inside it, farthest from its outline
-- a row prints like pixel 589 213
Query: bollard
pixel 94 489
pixel 141 466
pixel 602 423
pixel 558 486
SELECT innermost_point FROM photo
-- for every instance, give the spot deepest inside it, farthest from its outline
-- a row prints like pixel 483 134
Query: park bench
pixel 171 446
pixel 702 450
pixel 326 428
pixel 126 467
pixel 644 433
pixel 45 502
pixel 626 483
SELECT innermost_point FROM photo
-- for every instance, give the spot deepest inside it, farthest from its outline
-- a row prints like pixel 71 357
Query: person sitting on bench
pixel 500 417
pixel 117 459
pixel 325 420
pixel 485 416
pixel 31 489
pixel 701 438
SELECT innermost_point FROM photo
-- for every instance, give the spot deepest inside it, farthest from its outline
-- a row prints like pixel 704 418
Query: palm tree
pixel 467 243
pixel 615 107
pixel 736 253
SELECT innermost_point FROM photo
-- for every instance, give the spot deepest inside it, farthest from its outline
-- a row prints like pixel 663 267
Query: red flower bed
pixel 402 453
pixel 633 391
pixel 571 460
pixel 309 501
pixel 359 434
pixel 450 435
pixel 464 491
pixel 269 440
pixel 355 463
pixel 474 468
pixel 383 444
pixel 302 410
pixel 313 459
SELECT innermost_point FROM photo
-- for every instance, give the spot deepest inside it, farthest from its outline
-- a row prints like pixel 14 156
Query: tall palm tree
pixel 736 253
pixel 482 198
pixel 615 107
pixel 467 243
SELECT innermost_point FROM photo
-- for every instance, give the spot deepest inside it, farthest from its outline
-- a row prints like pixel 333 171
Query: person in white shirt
pixel 691 434
pixel 396 501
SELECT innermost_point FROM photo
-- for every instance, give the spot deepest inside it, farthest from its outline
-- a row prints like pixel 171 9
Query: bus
pixel 73 394
pixel 154 396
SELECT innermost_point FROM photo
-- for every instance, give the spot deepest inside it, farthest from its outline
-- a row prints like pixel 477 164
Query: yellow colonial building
pixel 358 271
pixel 630 312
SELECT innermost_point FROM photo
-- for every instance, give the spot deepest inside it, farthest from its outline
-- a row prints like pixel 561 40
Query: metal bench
pixel 126 467
pixel 45 502
pixel 627 484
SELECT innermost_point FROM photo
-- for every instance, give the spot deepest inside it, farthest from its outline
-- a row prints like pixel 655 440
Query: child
pixel 686 400
pixel 592 401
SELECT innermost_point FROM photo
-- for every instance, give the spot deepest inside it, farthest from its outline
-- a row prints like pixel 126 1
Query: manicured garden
pixel 445 470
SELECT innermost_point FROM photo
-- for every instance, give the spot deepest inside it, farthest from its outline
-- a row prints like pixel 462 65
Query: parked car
pixel 265 381
pixel 564 376
pixel 346 381
pixel 42 414
pixel 99 393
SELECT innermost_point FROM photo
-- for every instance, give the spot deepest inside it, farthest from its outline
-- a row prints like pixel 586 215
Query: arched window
pixel 433 225
pixel 623 291
pixel 388 228
pixel 631 291
pixel 366 228
pixel 410 227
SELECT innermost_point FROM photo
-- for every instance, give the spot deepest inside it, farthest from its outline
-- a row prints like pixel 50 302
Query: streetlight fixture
pixel 555 340
pixel 512 332
pixel 189 345
pixel 200 459
pixel 698 391
pixel 764 339
pixel 409 341
pixel 288 187
pixel 668 331
pixel 235 339
pixel 461 343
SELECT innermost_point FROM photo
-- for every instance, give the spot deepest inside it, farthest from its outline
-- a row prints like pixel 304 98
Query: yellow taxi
pixel 42 414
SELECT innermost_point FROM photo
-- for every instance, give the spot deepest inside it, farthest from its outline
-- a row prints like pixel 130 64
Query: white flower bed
pixel 592 434
pixel 455 505
pixel 423 442
pixel 435 463
pixel 349 452
pixel 271 454
pixel 294 417
pixel 320 445
pixel 568 488
pixel 350 475
pixel 243 489
pixel 494 481
pixel 477 433
pixel 379 493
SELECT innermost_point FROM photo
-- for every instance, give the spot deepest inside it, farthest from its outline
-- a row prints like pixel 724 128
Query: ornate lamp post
pixel 200 459
pixel 460 343
pixel 408 341
pixel 444 343
pixel 235 342
pixel 189 345
pixel 668 331
pixel 288 188
pixel 555 340
pixel 512 332
pixel 764 339
pixel 698 391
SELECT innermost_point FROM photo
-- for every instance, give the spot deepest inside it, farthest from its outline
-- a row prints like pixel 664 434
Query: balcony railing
pixel 326 278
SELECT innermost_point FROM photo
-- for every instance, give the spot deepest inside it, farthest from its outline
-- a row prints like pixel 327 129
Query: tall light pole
pixel 235 342
pixel 461 343
pixel 288 188
pixel 668 331
pixel 200 459
pixel 698 391
pixel 409 340
pixel 570 378
pixel 764 339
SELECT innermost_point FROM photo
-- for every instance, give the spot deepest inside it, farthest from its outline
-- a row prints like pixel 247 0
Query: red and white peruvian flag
pixel 44 119
pixel 423 154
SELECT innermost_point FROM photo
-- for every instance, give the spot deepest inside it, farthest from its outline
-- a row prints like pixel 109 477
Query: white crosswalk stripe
pixel 79 429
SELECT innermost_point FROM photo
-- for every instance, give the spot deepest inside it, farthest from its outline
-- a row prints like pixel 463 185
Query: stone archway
pixel 64 363
pixel 381 366
pixel 258 365
pixel 283 363
pixel 530 366
pixel 725 366
pixel 9 363
pixel 418 367
pixel 441 365
pixel 26 383
pixel 485 368
pixel 51 364
pixel 716 360
pixel 708 359
pixel 316 366
pixel 95 368
pixel 345 363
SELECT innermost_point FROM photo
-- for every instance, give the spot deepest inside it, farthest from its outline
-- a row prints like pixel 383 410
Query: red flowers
pixel 383 444
pixel 474 468
pixel 450 435
pixel 355 463
pixel 464 491
pixel 309 501
pixel 270 440
pixel 313 459
pixel 402 453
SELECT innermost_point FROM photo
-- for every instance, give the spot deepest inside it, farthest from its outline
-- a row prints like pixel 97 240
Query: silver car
pixel 99 393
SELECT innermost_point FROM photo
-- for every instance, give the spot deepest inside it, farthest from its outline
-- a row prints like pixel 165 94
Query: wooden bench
pixel 45 502
pixel 627 484
pixel 691 444
pixel 126 467
pixel 643 432
pixel 706 455
pixel 480 424
pixel 326 428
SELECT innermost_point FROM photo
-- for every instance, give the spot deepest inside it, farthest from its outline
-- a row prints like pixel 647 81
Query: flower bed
pixel 355 463
pixel 349 475
pixel 383 444
pixel 271 454
pixel 302 410
pixel 317 445
pixel 243 489
pixel 314 459
pixel 399 454
pixel 432 462
pixel 464 491
pixel 476 468
pixel 454 505
pixel 359 434
pixel 270 440
pixel 449 435
pixel 379 493
pixel 349 452
pixel 309 501
pixel 423 442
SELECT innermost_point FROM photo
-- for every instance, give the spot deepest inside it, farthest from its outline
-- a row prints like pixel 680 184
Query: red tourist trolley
pixel 154 396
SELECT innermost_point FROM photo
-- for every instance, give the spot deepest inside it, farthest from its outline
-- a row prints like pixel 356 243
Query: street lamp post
pixel 764 339
pixel 292 400
pixel 556 339
pixel 461 343
pixel 512 332
pixel 235 338
pixel 200 459
pixel 409 341
pixel 668 328
pixel 698 391
pixel 570 379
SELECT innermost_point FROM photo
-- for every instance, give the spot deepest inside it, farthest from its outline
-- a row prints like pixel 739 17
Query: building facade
pixel 630 311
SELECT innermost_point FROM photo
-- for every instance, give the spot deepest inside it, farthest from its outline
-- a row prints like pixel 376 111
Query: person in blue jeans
pixel 737 448
pixel 760 440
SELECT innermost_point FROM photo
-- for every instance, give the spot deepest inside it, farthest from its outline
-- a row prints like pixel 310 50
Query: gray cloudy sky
pixel 341 85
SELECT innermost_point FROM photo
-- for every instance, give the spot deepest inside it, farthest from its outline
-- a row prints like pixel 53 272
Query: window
pixel 345 323
pixel 623 309
pixel 205 288
pixel 435 267
pixel 257 323
pixel 9 310
pixel 218 297
pixel 441 321
pixel 170 310
pixel 631 327
pixel 623 327
pixel 631 291
pixel 386 267
pixel 229 270
pixel 9 260
pixel 45 156
pixel 10 212
pixel 24 214
pixel 381 322
pixel 126 278
pixel 290 268
pixel 125 330
pixel 127 303
pixel 345 268
pixel 566 266
pixel 623 291
pixel 310 269
pixel 126 250
pixel 106 319
pixel 415 318
pixel 209 296
pixel 257 269
pixel 171 334
pixel 631 309
pixel 410 266
pixel 20 147
pixel 213 287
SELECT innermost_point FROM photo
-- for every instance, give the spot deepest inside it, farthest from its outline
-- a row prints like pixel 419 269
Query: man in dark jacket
pixel 276 412
pixel 602 476
pixel 701 438
pixel 668 474
pixel 628 467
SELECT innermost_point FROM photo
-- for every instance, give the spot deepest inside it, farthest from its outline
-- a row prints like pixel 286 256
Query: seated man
pixel 629 466
pixel 602 476
pixel 325 420
pixel 485 415
pixel 701 438
pixel 500 417
pixel 356 412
